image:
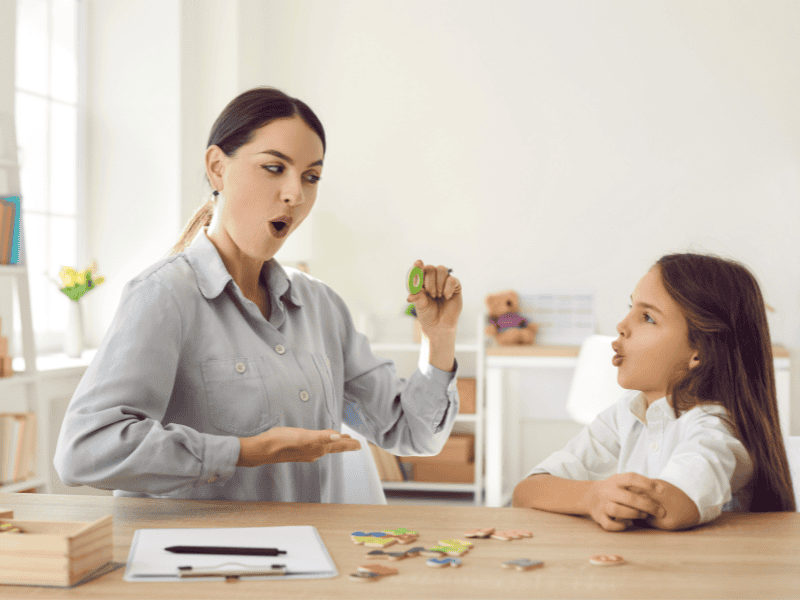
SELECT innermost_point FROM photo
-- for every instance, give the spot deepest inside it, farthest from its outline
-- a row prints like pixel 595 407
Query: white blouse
pixel 695 452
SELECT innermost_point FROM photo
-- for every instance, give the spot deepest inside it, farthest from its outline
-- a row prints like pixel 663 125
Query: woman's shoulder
pixel 171 274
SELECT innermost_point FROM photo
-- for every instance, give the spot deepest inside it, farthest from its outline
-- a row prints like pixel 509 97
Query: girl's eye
pixel 648 318
pixel 312 178
pixel 276 169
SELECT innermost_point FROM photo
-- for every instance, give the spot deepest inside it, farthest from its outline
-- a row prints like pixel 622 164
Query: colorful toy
pixel 505 324
pixel 522 564
pixel 607 560
pixel 479 533
pixel 443 562
pixel 377 569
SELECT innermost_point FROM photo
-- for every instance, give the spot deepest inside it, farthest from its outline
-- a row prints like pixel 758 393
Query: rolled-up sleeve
pixel 113 435
pixel 709 464
pixel 592 455
pixel 407 417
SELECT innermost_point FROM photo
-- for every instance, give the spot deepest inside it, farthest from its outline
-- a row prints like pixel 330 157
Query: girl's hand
pixel 292 444
pixel 438 303
pixel 615 502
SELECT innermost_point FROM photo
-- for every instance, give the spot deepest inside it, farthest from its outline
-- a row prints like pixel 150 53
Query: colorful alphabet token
pixel 400 531
pixel 414 551
pixel 449 550
pixel 378 554
pixel 415 280
pixel 396 555
pixel 606 560
pixel 433 552
pixel 374 542
pixel 510 534
pixel 364 576
pixel 522 564
pixel 479 533
pixel 443 562
pixel 377 534
pixel 377 569
pixel 464 543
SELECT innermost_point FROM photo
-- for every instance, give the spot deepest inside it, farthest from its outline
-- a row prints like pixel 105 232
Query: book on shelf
pixel 17 446
pixel 10 219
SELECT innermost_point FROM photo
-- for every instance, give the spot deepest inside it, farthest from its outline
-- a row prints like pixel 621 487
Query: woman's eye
pixel 276 169
pixel 648 318
pixel 312 178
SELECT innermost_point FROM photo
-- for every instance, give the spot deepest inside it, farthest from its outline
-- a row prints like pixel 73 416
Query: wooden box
pixel 459 447
pixel 442 472
pixel 57 553
pixel 466 395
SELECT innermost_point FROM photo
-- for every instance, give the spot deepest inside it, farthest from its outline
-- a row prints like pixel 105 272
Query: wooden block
pixel 479 533
pixel 466 395
pixel 6 513
pixel 377 569
pixel 54 552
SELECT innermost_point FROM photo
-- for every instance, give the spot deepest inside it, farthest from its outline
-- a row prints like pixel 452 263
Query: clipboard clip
pixel 232 574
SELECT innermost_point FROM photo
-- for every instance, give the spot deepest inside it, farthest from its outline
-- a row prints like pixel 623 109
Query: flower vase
pixel 73 336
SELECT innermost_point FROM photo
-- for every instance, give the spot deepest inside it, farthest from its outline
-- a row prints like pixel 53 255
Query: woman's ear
pixel 694 360
pixel 215 166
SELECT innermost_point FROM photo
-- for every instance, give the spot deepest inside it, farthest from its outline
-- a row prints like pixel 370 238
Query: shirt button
pixel 240 368
pixel 304 396
pixel 654 446
pixel 280 349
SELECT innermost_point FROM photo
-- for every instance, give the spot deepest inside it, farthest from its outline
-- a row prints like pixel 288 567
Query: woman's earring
pixel 216 220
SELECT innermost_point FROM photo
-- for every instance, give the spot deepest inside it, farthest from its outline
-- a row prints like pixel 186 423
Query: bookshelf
pixel 472 422
pixel 14 278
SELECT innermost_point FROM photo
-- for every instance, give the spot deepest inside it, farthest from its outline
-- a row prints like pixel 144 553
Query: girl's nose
pixel 621 327
pixel 292 193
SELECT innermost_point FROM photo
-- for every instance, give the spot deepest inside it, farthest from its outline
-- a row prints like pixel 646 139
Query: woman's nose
pixel 292 192
pixel 621 327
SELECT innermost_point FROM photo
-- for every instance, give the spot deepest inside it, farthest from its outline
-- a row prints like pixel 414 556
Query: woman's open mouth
pixel 617 360
pixel 280 226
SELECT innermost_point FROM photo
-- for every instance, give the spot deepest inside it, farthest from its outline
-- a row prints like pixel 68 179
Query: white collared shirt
pixel 696 453
pixel 189 365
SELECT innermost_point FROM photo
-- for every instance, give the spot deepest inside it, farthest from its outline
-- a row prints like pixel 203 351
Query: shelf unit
pixel 29 378
pixel 476 420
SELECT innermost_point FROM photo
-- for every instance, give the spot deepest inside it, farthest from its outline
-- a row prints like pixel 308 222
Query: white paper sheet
pixel 306 556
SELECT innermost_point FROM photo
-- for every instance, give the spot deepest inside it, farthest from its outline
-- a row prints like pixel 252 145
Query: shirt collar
pixel 657 410
pixel 212 275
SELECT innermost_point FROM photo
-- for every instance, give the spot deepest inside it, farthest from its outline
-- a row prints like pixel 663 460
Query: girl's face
pixel 653 344
pixel 282 162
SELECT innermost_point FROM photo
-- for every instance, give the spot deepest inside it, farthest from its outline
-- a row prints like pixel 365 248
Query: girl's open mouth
pixel 617 360
pixel 280 226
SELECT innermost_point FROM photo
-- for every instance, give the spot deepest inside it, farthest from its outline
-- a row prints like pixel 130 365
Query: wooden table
pixel 737 556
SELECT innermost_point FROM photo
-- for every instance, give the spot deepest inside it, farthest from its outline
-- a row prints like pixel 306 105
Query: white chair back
pixel 361 479
pixel 594 384
pixel 792 444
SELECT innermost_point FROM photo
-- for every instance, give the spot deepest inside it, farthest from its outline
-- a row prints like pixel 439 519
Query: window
pixel 49 112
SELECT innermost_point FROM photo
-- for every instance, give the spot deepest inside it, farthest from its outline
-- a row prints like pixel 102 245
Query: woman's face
pixel 653 344
pixel 274 176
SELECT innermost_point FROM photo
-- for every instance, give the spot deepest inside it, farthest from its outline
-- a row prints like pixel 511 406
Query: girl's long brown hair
pixel 727 320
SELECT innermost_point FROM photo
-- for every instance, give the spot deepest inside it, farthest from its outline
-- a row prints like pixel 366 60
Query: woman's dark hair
pixel 727 320
pixel 235 127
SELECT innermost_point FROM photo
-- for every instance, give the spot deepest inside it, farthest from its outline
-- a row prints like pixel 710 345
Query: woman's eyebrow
pixel 281 155
pixel 646 305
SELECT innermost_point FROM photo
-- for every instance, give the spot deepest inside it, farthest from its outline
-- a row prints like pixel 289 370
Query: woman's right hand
pixel 292 444
pixel 615 502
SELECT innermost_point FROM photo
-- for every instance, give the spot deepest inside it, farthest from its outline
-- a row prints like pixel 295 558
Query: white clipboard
pixel 306 556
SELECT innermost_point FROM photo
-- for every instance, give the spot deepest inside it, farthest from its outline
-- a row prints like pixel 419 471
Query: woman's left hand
pixel 438 304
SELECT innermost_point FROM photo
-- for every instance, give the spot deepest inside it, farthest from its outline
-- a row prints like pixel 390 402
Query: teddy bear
pixel 505 324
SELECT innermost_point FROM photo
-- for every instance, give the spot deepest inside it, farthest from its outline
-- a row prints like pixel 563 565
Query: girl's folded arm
pixel 681 510
pixel 554 494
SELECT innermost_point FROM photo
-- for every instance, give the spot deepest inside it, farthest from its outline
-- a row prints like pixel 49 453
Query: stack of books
pixel 17 446
pixel 10 217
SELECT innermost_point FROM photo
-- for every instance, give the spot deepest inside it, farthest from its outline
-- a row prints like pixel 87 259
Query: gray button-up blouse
pixel 189 365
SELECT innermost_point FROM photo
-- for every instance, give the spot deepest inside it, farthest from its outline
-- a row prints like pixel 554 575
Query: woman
pixel 224 375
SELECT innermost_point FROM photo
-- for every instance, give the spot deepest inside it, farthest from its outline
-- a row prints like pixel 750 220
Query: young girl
pixel 698 433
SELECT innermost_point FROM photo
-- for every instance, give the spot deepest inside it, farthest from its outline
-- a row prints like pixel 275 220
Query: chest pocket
pixel 236 396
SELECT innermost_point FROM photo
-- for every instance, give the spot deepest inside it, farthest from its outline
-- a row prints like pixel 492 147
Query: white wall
pixel 529 145
pixel 133 142
pixel 539 144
